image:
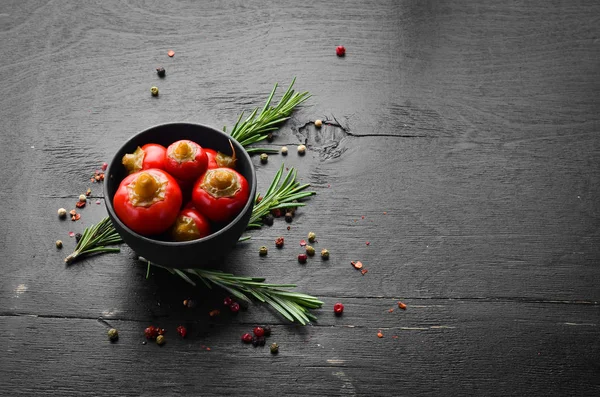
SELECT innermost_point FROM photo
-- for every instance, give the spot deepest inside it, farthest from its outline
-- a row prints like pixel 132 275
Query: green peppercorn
pixel 160 340
pixel 58 244
pixel 318 123
pixel 113 335
pixel 274 348
pixel 154 91
pixel 284 150
pixel 263 251
pixel 264 158
pixel 312 237
pixel 301 149
pixel 310 251
pixel 62 213
pixel 324 254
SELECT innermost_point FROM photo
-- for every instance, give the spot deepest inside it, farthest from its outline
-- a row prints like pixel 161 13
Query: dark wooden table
pixel 468 156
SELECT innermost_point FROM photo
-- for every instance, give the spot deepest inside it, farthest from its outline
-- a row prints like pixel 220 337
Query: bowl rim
pixel 108 201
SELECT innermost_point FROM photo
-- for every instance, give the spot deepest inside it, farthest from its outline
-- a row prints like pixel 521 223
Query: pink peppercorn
pixel 340 51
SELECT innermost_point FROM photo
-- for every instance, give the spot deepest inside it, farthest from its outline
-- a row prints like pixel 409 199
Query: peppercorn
pixel 113 335
pixel 310 251
pixel 276 212
pixel 312 237
pixel 258 341
pixel 59 244
pixel 279 242
pixel 324 254
pixel 154 91
pixel 270 137
pixel 62 213
pixel 161 72
pixel 182 331
pixel 247 338
pixel 259 331
pixel 289 217
pixel 301 149
pixel 340 51
pixel 338 309
pixel 318 123
pixel 82 197
pixel 104 166
pixel 267 330
pixel 402 305
pixel 160 340
pixel 268 220
pixel 234 307
pixel 151 332
pixel 302 258
pixel 264 158
pixel 227 301
pixel 284 150
pixel 263 251
pixel 77 237
pixel 274 348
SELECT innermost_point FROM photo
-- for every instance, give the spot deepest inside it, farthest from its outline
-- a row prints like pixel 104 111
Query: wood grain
pixel 462 145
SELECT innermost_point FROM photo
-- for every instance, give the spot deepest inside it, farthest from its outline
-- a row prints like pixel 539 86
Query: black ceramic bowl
pixel 206 251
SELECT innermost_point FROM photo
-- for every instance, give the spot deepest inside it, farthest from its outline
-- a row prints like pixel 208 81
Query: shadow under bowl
pixel 207 251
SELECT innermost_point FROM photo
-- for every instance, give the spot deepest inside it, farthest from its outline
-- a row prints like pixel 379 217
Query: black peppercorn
pixel 289 217
pixel 161 72
pixel 77 237
pixel 268 220
pixel 270 137
pixel 267 330
pixel 258 341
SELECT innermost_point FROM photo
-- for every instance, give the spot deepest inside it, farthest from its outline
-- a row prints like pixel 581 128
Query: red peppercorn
pixel 259 331
pixel 276 212
pixel 151 332
pixel 227 301
pixel 161 331
pixel 247 338
pixel 104 166
pixel 338 308
pixel 279 242
pixel 182 331
pixel 234 307
pixel 340 51
pixel 302 258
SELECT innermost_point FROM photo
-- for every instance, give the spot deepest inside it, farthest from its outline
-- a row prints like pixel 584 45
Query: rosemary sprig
pixel 256 127
pixel 95 239
pixel 284 195
pixel 294 306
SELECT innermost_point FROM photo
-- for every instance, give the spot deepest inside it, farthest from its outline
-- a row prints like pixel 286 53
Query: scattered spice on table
pixel 391 310
pixel 279 242
pixel 151 332
pixel 340 51
pixel 338 309
pixel 247 338
pixel 227 301
pixel 301 149
pixel 259 331
pixel 171 53
pixel 264 158
pixel 234 307
pixel 289 217
pixel 310 251
pixel 113 335
pixel 59 244
pixel 160 340
pixel 302 258
pixel 380 334
pixel 154 91
pixel 80 204
pixel 71 234
pixel 182 331
pixel 214 313
pixel 263 251
pixel 368 243
pixel 104 166
pixel 161 72
pixel 258 341
pixel 357 264
pixel 325 254
pixel 364 271
pixel 62 213
pixel 318 123
pixel 88 191
pixel 274 348
pixel 312 237
pixel 284 150
pixel 302 243
pixel 401 305
pixel 267 330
